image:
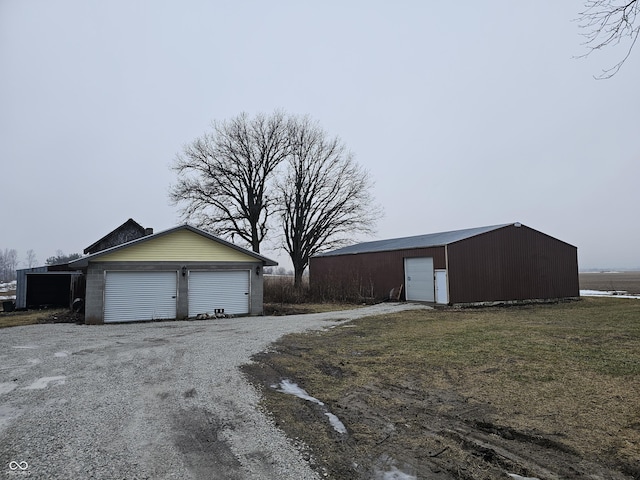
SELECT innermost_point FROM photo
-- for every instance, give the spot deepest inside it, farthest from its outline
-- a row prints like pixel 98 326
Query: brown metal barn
pixel 500 263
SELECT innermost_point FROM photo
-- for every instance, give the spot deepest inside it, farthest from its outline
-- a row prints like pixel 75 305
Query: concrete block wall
pixel 94 300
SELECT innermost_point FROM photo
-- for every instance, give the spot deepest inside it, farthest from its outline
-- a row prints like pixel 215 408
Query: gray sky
pixel 465 115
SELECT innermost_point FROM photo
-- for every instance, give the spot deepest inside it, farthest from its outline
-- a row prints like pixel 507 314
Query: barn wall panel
pixel 512 263
pixel 374 274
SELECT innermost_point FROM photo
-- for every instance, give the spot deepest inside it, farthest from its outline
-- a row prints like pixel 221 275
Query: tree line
pixel 9 261
pixel 278 178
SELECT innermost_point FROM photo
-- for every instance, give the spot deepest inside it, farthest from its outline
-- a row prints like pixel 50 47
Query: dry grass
pixel 304 308
pixel 569 372
pixel 31 317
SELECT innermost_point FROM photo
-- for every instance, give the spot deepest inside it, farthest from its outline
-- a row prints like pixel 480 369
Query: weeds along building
pixel 508 263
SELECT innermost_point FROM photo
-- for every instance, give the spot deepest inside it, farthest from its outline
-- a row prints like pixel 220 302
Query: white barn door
pixel 418 279
pixel 442 292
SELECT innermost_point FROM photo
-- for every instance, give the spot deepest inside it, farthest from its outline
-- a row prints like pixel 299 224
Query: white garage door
pixel 134 296
pixel 228 290
pixel 418 275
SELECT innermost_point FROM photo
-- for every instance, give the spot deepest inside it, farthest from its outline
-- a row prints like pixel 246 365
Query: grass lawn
pixel 565 377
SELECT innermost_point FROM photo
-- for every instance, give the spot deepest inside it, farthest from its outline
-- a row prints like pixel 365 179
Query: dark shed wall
pixel 123 234
pixel 512 263
pixel 372 274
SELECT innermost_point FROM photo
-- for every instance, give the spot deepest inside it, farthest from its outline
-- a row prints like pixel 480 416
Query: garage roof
pixel 84 261
pixel 419 241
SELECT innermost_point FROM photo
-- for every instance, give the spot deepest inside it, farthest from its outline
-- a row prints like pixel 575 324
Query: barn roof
pixel 418 241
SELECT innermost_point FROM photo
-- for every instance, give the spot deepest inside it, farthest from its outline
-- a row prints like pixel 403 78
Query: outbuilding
pixel 507 263
pixel 175 274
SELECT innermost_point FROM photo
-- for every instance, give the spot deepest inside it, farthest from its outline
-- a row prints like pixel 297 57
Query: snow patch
pixel 335 422
pixel 61 354
pixel 608 294
pixel 290 388
pixel 6 287
pixel 518 477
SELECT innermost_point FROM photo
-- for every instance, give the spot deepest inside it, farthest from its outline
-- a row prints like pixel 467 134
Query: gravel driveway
pixel 150 400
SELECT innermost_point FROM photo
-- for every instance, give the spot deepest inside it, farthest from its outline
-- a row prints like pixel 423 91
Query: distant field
pixel 627 281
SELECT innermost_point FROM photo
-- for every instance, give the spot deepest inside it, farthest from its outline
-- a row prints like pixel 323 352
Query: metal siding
pixel 375 274
pixel 419 279
pixel 21 284
pixel 135 296
pixel 228 290
pixel 510 264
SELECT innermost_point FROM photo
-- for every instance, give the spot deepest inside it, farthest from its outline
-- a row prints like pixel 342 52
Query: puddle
pixel 395 474
pixel 291 388
pixel 387 469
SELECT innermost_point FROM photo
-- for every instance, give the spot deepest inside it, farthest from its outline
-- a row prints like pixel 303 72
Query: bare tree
pixel 8 264
pixel 31 260
pixel 325 196
pixel 224 176
pixel 608 23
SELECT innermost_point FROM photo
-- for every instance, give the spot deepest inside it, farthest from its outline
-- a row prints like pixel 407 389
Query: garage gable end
pixel 181 246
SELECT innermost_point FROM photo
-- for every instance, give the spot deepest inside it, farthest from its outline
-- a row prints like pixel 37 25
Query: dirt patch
pixel 205 452
pixel 279 309
pixel 464 410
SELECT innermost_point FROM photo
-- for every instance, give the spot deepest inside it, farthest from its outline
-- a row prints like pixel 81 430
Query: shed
pixel 48 286
pixel 58 285
pixel 500 263
pixel 129 230
pixel 175 274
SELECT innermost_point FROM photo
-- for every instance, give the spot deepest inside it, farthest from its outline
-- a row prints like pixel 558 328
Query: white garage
pixel 135 296
pixel 219 290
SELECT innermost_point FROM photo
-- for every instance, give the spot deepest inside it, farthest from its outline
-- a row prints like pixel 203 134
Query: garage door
pixel 419 282
pixel 228 290
pixel 134 296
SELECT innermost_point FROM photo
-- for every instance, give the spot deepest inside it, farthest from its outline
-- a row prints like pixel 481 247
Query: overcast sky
pixel 465 113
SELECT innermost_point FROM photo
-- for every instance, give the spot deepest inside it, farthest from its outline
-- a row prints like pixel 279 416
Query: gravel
pixel 157 400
